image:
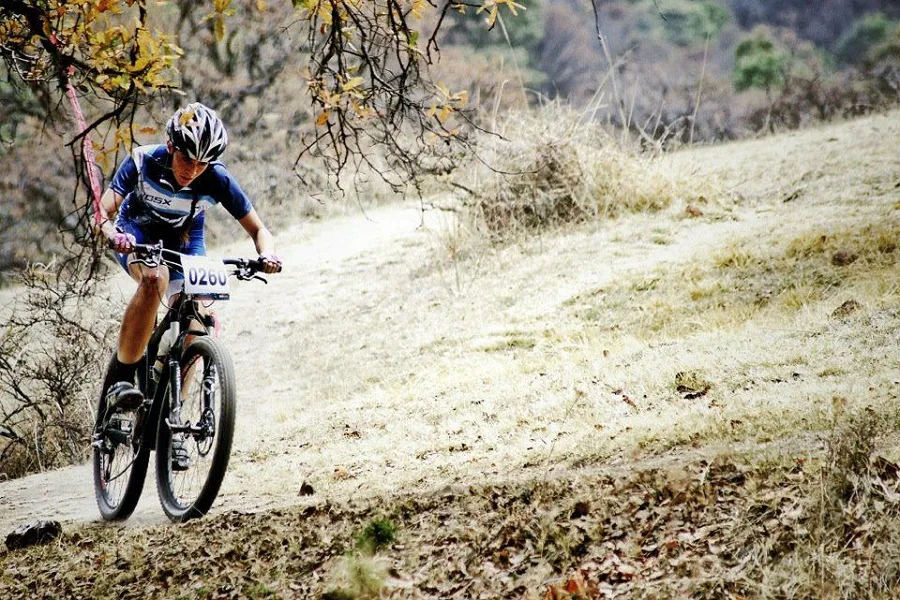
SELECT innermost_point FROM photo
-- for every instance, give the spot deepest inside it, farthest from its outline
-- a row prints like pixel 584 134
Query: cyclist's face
pixel 185 168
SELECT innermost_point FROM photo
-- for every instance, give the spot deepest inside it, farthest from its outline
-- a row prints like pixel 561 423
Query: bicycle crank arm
pixel 183 428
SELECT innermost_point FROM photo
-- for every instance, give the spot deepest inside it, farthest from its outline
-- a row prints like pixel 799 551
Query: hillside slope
pixel 637 407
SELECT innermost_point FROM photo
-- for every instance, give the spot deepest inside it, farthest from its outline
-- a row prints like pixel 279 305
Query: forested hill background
pixel 683 71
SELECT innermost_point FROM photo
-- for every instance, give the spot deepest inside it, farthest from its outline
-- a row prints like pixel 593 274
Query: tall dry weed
pixel 53 346
pixel 553 166
pixel 847 544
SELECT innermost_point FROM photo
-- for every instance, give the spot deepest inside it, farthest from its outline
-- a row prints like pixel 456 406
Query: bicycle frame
pixel 127 442
pixel 150 376
pixel 184 311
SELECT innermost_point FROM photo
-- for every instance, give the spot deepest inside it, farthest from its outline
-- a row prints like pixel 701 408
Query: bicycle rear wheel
pixel 120 462
pixel 203 428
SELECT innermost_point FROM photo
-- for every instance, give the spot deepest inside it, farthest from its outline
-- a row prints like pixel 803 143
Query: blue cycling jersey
pixel 157 209
pixel 153 198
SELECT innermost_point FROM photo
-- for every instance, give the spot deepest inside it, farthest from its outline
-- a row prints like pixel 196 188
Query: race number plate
pixel 204 276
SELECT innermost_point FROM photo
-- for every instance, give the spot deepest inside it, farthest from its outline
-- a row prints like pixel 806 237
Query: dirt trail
pixel 327 265
pixel 67 494
pixel 363 369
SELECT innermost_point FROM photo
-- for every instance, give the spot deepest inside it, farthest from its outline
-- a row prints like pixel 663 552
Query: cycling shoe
pixel 123 396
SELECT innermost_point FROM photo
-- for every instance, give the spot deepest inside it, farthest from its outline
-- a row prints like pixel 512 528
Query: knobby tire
pixel 119 469
pixel 189 494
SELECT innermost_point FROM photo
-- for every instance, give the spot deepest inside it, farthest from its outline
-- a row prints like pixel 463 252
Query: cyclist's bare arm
pixel 262 238
pixel 109 206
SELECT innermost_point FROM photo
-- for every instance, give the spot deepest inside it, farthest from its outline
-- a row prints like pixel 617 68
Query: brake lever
pixel 263 279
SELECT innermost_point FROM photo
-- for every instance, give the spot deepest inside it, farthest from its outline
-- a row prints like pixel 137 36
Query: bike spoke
pixel 115 458
pixel 195 438
pixel 195 431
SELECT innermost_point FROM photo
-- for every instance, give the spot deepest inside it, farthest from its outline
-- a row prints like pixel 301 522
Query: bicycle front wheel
pixel 194 438
pixel 120 459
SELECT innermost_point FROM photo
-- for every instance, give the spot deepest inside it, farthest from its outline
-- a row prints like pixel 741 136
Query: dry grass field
pixel 696 401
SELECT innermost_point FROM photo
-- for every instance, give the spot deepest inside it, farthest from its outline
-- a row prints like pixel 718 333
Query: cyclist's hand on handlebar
pixel 122 242
pixel 271 263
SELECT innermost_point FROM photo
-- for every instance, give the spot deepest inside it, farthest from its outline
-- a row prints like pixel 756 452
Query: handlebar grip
pixel 145 248
pixel 259 265
pixel 140 248
pixel 256 265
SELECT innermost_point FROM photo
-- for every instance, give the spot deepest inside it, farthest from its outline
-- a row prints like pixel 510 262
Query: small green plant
pixel 378 534
pixel 258 589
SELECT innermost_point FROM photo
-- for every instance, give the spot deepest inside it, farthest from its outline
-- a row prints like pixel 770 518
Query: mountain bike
pixel 188 408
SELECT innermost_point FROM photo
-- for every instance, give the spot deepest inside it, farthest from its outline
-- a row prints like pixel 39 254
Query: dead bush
pixel 852 469
pixel 554 166
pixel 53 346
pixel 543 194
pixel 848 545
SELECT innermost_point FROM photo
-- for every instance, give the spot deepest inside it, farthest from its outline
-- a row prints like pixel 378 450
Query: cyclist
pixel 160 193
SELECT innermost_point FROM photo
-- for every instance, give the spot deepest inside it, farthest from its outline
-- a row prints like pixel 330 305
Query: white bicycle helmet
pixel 198 132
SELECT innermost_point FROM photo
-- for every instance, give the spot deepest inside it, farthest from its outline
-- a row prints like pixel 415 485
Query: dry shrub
pixel 813 95
pixel 53 347
pixel 553 166
pixel 851 549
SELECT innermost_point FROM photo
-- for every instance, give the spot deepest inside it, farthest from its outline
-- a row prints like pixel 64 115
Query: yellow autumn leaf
pixel 140 64
pixel 186 117
pixel 492 17
pixel 418 8
pixel 103 160
pixel 462 98
pixel 324 13
pixel 261 5
pixel 485 5
pixel 220 27
pixel 353 83
pixel 323 118
pixel 512 6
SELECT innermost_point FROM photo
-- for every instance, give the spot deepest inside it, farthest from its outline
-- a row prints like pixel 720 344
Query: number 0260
pixel 203 276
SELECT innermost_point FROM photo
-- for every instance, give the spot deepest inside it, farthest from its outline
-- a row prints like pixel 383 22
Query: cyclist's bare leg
pixel 202 309
pixel 193 325
pixel 140 315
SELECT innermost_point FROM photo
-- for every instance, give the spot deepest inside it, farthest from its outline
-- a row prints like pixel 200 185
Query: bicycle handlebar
pixel 255 265
pixel 246 268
